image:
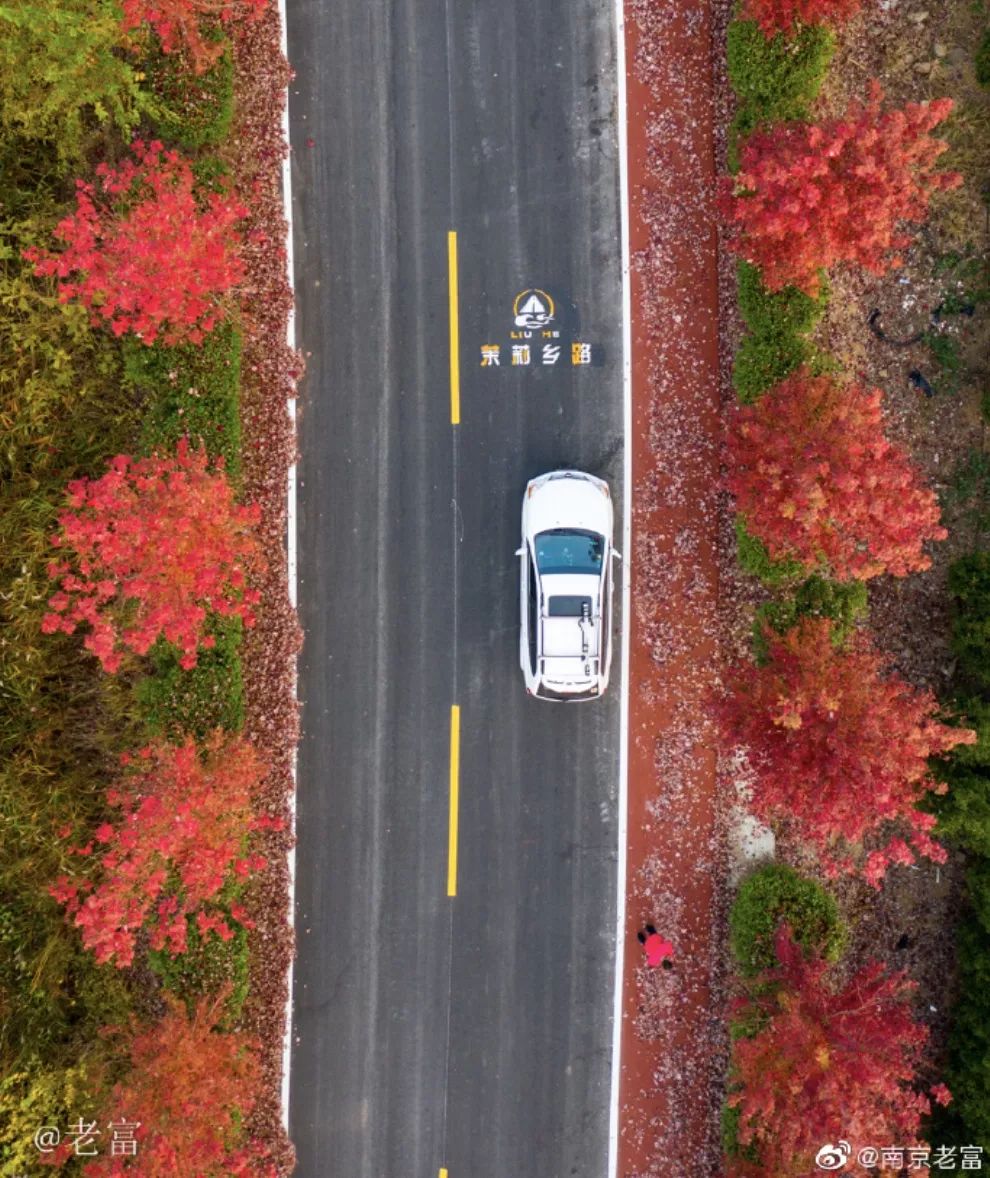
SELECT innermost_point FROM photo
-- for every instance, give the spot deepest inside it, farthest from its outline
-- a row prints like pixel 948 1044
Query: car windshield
pixel 566 551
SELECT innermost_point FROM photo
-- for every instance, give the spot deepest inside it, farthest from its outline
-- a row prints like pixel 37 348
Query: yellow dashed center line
pixel 455 342
pixel 455 756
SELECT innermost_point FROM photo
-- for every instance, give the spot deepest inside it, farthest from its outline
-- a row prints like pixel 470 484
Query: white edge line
pixel 290 539
pixel 622 817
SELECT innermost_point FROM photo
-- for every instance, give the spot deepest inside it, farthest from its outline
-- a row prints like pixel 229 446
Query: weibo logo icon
pixel 833 1157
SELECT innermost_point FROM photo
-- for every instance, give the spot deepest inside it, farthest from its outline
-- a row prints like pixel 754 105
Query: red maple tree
pixel 146 254
pixel 810 195
pixel 185 818
pixel 838 748
pixel 156 543
pixel 787 16
pixel 818 482
pixel 179 24
pixel 183 1101
pixel 827 1063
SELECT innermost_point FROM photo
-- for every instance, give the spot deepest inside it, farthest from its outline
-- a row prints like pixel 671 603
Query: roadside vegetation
pixel 862 763
pixel 138 818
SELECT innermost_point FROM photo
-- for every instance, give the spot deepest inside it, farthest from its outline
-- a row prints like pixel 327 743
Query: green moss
pixel 777 893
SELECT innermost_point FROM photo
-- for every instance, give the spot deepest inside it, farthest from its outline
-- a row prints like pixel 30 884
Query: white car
pixel 565 586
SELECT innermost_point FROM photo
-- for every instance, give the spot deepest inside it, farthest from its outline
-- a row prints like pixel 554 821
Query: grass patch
pixel 174 702
pixel 190 391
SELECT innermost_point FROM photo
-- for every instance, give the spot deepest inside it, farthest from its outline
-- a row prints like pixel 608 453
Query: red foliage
pixel 188 1089
pixel 817 481
pixel 157 543
pixel 185 820
pixel 179 24
pixel 838 748
pixel 827 1063
pixel 785 16
pixel 145 253
pixel 810 195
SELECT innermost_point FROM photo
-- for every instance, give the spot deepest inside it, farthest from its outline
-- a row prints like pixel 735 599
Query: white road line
pixel 621 824
pixel 291 550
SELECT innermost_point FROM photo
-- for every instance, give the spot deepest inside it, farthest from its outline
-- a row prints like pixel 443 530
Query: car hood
pixel 569 503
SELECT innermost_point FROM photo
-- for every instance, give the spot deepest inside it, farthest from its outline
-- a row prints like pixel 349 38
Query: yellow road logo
pixel 532 308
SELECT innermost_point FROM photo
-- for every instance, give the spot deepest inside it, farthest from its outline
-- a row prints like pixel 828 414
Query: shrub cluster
pixel 75 88
pixel 786 209
pixel 964 819
pixel 773 894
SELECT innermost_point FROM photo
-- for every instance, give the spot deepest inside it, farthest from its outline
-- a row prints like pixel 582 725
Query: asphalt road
pixel 470 1033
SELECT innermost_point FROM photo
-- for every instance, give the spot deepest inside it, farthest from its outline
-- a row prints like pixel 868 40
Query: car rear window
pixel 567 607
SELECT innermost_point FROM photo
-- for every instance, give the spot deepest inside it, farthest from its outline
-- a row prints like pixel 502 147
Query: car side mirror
pixel 616 555
pixel 520 552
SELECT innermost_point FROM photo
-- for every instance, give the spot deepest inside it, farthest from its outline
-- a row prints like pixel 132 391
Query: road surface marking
pixel 455 341
pixel 622 130
pixel 455 759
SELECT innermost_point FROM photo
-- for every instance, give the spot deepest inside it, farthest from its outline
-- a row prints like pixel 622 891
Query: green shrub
pixel 982 61
pixel 844 602
pixel 54 996
pixel 778 325
pixel 968 492
pixel 966 1121
pixel 775 80
pixel 964 812
pixel 190 390
pixel 211 695
pixel 787 310
pixel 191 111
pixel 207 965
pixel 730 1138
pixel 62 73
pixel 37 1094
pixel 969 583
pixel 754 559
pixel 777 893
pixel 761 361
